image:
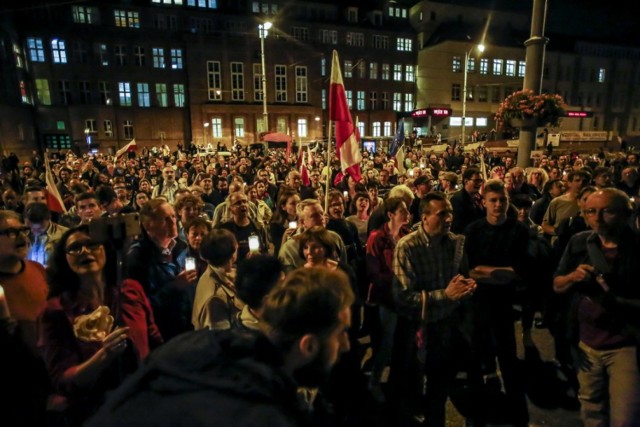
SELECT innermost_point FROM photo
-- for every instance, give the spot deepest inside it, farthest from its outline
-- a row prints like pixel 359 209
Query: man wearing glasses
pixel 600 270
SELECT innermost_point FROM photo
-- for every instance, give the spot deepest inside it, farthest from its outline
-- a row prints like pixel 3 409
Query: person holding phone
pixel 243 227
pixel 93 331
pixel 284 220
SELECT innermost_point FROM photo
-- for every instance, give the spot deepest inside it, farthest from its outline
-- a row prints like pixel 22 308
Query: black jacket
pixel 206 378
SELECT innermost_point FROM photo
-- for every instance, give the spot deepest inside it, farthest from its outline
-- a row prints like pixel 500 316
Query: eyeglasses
pixel 76 248
pixel 606 212
pixel 12 233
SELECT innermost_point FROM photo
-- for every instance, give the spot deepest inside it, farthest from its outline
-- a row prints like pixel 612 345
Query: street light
pixel 205 125
pixel 480 48
pixel 263 32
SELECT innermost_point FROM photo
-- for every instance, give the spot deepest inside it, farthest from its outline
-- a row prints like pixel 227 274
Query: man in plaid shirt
pixel 429 290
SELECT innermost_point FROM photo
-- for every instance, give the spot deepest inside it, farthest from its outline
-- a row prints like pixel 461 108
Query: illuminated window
pixel 36 49
pixel 59 51
pixel 161 95
pixel 281 83
pixel 301 84
pixel 178 95
pixel 144 98
pixel 124 93
pixel 214 80
pixel 176 59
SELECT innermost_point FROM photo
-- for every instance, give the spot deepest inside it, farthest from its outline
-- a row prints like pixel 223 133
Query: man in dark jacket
pixel 467 202
pixel 243 378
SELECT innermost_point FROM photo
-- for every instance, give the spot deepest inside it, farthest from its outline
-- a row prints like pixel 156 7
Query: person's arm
pixel 548 221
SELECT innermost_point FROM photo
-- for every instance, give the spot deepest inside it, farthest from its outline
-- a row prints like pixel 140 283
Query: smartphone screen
pixel 254 243
pixel 293 224
pixel 190 263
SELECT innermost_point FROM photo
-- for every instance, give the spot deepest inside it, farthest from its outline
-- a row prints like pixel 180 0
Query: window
pixel 128 129
pixel 124 93
pixel 301 84
pixel 522 67
pixel 397 101
pixel 456 92
pixel 257 82
pixel 385 100
pixel 373 70
pixel 349 96
pixel 376 129
pixel 497 67
pixel 495 95
pixel 260 127
pixel 408 102
pixel 409 73
pixel 57 142
pixel 214 80
pixel 84 90
pixel 483 93
pixel 161 95
pixel 281 125
pixel 300 33
pixel 348 69
pixel 36 49
pixel 91 125
pixel 158 57
pixel 329 36
pixel 352 14
pixel 64 92
pixel 484 66
pixel 25 93
pixel 324 99
pixel 397 72
pixel 471 65
pixel 302 128
pixel 355 39
pixel 126 18
pixel 380 42
pixel 105 92
pixel 238 125
pixel 361 69
pixel 601 75
pixel 103 54
pixel 42 91
pixel 404 44
pixel 323 66
pixel 360 105
pixel 83 15
pixel 216 127
pixel 144 98
pixel 176 59
pixel 373 100
pixel 281 83
pixel 386 71
pixel 178 95
pixel 361 128
pixel 456 64
pixel 59 51
pixel 208 4
pixel 121 54
pixel 138 55
pixel 107 127
pixel 386 131
pixel 510 68
pixel 80 53
pixel 237 81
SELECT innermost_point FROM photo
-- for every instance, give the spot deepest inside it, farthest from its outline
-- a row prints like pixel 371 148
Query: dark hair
pixel 37 212
pixel 32 188
pixel 197 222
pixel 468 174
pixel 279 215
pixel 495 186
pixel 61 278
pixel 601 170
pixel 308 302
pixel 425 203
pixel 392 204
pixel 372 184
pixel 320 235
pixel 586 176
pixel 255 277
pixel 188 200
pixel 353 207
pixel 522 201
pixel 549 184
pixel 105 194
pixel 218 247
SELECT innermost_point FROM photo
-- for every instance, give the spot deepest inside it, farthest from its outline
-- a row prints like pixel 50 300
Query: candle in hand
pixel 4 306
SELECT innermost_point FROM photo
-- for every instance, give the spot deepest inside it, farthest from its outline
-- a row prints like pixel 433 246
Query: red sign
pixel 578 114
pixel 436 112
pixel 420 113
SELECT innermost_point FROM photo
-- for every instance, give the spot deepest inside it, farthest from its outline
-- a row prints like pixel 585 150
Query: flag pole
pixel 326 189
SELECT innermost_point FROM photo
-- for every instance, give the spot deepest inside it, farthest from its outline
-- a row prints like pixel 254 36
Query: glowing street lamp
pixel 480 48
pixel 263 32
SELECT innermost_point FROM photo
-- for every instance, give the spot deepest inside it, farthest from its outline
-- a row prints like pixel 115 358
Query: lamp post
pixel 263 32
pixel 205 125
pixel 480 48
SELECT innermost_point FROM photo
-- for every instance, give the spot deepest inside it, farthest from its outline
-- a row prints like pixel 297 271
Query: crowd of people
pixel 191 288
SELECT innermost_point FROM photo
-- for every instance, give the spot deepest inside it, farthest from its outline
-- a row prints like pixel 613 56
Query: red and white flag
pixel 347 140
pixel 304 173
pixel 132 146
pixel 54 201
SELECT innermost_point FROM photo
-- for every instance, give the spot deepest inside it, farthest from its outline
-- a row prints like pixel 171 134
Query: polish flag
pixel 54 201
pixel 132 146
pixel 347 141
pixel 304 173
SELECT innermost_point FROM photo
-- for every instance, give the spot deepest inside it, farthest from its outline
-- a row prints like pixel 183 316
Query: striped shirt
pixel 422 263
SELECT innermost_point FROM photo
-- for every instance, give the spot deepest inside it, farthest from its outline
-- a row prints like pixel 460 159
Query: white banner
pixel 584 136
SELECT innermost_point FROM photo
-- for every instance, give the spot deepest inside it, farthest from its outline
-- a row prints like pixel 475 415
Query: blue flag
pixel 397 140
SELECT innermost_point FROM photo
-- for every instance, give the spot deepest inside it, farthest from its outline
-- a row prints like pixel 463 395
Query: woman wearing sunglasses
pixel 93 332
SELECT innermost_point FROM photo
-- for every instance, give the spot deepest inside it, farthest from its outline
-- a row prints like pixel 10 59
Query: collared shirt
pixel 421 263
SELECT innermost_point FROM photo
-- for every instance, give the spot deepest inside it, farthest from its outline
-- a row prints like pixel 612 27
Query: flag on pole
pixel 54 201
pixel 483 167
pixel 347 141
pixel 129 147
pixel 304 173
pixel 397 147
pixel 310 160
